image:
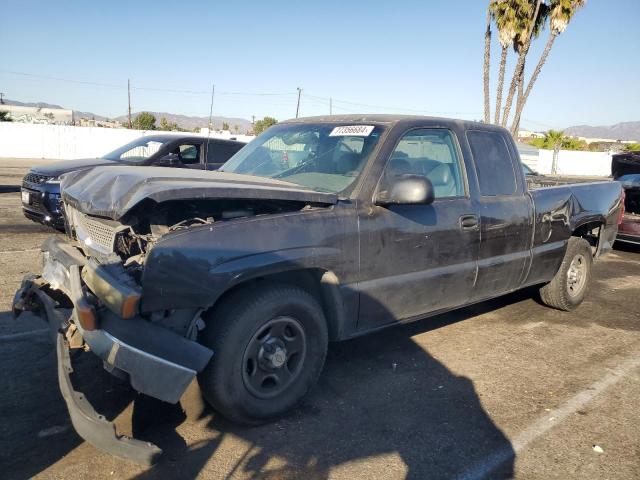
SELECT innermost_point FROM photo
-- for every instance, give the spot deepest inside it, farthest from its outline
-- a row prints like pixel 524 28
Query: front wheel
pixel 568 288
pixel 269 347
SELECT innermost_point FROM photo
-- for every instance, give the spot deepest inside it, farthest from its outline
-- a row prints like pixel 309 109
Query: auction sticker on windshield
pixel 352 131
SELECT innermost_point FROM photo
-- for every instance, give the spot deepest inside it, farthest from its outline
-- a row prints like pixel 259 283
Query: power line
pixel 387 107
pixel 332 103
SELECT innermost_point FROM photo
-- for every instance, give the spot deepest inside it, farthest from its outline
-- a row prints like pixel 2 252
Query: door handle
pixel 469 222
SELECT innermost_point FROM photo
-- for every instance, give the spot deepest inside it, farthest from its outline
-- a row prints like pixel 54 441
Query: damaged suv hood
pixel 113 191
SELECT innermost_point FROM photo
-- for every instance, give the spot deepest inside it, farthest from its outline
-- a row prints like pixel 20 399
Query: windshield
pixel 137 151
pixel 323 157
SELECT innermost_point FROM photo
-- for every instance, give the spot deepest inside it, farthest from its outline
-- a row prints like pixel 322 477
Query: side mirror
pixel 406 190
pixel 169 160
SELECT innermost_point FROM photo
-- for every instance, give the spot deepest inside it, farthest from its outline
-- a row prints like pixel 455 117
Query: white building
pixel 38 115
pixel 529 134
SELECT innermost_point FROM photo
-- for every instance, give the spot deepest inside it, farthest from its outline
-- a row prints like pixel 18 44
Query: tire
pixel 269 344
pixel 570 284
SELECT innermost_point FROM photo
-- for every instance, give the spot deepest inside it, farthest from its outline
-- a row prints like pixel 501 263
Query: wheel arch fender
pixel 303 267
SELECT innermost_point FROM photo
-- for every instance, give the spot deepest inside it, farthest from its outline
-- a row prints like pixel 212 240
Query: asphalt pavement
pixel 506 388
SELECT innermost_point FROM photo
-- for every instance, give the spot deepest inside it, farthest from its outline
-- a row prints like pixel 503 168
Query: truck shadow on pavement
pixel 381 398
pixel 379 395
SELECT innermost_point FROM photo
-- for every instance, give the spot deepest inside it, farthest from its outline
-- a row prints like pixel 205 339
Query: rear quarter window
pixel 494 166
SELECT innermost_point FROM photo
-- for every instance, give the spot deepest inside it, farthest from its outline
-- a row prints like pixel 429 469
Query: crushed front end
pixel 89 292
pixel 131 281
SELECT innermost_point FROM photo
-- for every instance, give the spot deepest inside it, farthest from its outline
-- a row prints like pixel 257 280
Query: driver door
pixel 419 259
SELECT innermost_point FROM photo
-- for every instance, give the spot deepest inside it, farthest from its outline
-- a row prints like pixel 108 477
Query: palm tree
pixel 560 13
pixel 554 139
pixel 503 15
pixel 527 14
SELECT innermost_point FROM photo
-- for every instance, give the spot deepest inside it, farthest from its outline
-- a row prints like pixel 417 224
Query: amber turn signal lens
pixel 86 317
pixel 130 306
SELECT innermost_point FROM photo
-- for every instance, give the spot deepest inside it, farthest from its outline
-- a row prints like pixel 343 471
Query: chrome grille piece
pixel 95 234
pixel 98 232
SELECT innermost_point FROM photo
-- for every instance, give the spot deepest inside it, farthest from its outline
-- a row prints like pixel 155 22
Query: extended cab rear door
pixel 506 214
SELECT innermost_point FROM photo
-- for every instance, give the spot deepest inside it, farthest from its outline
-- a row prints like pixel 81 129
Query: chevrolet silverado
pixel 321 229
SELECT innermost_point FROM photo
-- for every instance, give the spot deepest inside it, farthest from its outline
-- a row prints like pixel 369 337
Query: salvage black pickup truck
pixel 321 229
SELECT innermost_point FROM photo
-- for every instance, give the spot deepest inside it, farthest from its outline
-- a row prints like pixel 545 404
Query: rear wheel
pixel 269 347
pixel 568 288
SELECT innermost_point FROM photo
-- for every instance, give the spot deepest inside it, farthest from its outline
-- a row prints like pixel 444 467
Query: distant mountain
pixel 183 121
pixel 190 123
pixel 88 115
pixel 30 104
pixel 619 131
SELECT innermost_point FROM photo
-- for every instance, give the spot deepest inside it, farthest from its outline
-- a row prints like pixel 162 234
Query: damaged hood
pixel 113 191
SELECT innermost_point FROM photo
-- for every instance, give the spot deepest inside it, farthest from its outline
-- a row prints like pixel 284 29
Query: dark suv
pixel 41 186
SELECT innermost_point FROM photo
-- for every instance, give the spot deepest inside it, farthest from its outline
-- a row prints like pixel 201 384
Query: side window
pixel 221 152
pixel 493 163
pixel 189 154
pixel 430 152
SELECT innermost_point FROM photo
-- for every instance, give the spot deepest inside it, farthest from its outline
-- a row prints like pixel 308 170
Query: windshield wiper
pixel 294 170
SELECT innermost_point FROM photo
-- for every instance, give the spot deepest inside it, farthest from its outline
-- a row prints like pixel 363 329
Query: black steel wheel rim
pixel 274 356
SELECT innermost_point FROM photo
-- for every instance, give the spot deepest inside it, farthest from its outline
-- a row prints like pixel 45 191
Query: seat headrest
pixel 399 166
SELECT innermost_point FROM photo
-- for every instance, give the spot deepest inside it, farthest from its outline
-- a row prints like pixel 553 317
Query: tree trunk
pixel 487 63
pixel 503 66
pixel 512 88
pixel 534 77
pixel 554 164
pixel 514 133
pixel 519 67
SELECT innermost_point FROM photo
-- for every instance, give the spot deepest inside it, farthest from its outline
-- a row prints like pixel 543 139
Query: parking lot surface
pixel 507 388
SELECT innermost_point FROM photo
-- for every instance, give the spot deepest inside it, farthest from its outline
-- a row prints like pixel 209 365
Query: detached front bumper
pixel 92 426
pixel 155 360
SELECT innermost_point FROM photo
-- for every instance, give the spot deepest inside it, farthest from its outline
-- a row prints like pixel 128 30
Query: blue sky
pixel 404 57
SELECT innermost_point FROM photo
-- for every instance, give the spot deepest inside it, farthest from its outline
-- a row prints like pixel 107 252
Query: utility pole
pixel 213 90
pixel 330 106
pixel 298 105
pixel 129 95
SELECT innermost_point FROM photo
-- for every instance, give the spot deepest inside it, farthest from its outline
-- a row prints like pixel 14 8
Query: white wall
pixel 571 162
pixel 23 140
pixel 58 142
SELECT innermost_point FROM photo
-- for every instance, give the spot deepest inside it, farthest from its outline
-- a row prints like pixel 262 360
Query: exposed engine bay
pixel 128 240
